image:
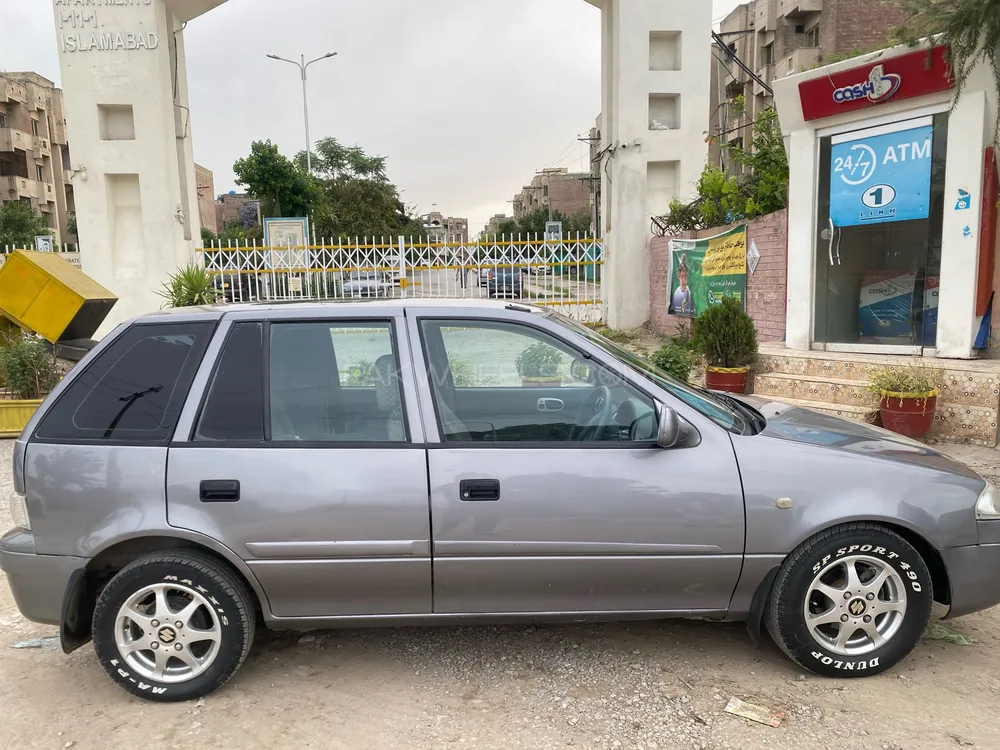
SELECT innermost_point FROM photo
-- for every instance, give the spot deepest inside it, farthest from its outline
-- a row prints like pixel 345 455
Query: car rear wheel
pixel 851 601
pixel 173 626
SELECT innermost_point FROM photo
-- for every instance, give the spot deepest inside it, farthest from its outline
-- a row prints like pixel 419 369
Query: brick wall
pixel 859 24
pixel 569 195
pixel 765 288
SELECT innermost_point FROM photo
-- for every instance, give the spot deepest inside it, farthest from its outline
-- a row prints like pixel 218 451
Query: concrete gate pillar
pixel 125 86
pixel 656 75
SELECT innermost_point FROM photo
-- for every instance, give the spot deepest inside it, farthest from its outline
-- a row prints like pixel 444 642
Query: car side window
pixel 234 408
pixel 500 382
pixel 133 391
pixel 335 382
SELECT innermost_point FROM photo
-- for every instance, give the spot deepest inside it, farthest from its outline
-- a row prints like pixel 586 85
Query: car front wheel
pixel 851 601
pixel 173 626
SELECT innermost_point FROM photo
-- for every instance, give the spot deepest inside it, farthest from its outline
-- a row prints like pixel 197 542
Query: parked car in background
pixel 319 466
pixel 364 284
pixel 233 286
pixel 503 281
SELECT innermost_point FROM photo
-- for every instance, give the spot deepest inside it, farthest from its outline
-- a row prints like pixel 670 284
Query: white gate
pixel 562 274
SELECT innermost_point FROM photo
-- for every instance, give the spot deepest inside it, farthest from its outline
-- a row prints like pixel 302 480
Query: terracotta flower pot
pixel 909 414
pixel 728 379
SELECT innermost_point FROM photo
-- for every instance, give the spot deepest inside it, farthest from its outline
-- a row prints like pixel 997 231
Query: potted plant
pixel 189 287
pixel 538 366
pixel 726 337
pixel 28 370
pixel 907 398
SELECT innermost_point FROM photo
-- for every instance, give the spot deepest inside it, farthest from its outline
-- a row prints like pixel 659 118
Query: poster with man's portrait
pixel 702 272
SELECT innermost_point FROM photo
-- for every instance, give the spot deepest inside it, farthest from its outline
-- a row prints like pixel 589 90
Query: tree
pixel 723 198
pixel 362 207
pixel 248 216
pixel 19 224
pixel 534 222
pixel 331 160
pixel 970 28
pixel 282 188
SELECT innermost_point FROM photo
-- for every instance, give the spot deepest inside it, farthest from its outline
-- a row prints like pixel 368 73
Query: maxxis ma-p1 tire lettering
pixel 205 580
pixel 901 611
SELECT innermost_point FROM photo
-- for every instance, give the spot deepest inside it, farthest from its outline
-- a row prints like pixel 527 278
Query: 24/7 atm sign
pixel 881 175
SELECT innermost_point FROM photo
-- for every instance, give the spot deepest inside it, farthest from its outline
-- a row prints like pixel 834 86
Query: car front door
pixel 548 493
pixel 300 458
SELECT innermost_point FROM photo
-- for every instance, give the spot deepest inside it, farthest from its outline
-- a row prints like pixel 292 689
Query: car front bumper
pixel 38 582
pixel 974 575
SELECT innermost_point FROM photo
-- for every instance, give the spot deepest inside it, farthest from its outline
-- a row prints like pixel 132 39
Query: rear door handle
pixel 479 490
pixel 220 491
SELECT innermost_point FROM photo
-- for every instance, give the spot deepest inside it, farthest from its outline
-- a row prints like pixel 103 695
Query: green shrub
pixel 674 360
pixel 189 287
pixel 725 335
pixel 28 367
pixel 683 337
pixel 916 381
pixel 540 360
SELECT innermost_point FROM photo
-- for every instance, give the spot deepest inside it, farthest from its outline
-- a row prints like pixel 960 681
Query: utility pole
pixel 303 66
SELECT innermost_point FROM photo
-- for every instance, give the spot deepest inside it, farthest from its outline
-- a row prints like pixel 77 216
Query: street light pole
pixel 303 66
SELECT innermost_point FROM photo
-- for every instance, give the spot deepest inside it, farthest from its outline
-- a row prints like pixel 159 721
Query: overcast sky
pixel 466 98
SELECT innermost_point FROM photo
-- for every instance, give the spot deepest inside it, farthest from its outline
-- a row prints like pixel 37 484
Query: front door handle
pixel 833 233
pixel 550 404
pixel 479 490
pixel 220 491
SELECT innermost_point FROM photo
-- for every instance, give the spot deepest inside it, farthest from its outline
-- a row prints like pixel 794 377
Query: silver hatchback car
pixel 425 462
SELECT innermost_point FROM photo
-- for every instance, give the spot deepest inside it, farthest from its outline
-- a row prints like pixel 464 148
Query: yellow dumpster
pixel 43 293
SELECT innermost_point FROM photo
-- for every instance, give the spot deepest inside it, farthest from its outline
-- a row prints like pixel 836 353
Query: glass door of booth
pixel 878 246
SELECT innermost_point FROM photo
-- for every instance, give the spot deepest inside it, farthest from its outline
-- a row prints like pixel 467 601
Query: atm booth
pixel 892 216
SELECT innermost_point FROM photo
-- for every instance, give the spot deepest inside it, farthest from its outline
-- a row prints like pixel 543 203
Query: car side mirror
pixel 669 433
pixel 582 371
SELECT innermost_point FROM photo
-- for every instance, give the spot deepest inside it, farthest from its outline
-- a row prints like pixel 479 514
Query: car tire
pixel 207 634
pixel 839 625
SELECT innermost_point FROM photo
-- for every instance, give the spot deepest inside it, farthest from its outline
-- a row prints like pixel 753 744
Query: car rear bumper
pixel 38 582
pixel 513 291
pixel 974 575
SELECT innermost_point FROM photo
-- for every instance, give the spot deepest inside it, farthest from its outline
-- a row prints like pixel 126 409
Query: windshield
pixel 701 400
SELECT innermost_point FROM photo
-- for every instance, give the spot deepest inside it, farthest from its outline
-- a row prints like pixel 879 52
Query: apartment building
pixel 493 225
pixel 777 38
pixel 446 228
pixel 228 207
pixel 34 152
pixel 566 192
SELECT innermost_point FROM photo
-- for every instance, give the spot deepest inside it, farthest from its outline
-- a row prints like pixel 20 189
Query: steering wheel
pixel 593 413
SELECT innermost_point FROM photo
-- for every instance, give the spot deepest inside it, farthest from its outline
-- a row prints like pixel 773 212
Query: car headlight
pixel 988 505
pixel 19 511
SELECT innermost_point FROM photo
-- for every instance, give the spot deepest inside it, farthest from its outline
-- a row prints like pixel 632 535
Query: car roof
pixel 211 312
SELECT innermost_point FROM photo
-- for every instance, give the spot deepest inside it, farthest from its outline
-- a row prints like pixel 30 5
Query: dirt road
pixel 649 685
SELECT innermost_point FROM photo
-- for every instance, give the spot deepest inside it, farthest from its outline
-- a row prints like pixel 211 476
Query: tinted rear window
pixel 234 409
pixel 134 390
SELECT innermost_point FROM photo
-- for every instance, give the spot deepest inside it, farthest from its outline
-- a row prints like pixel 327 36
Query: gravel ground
pixel 636 686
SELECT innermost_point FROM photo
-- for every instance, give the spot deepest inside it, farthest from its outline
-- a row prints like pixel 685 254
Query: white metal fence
pixel 69 253
pixel 564 274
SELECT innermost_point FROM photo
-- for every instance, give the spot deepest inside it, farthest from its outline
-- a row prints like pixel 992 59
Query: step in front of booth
pixel 835 384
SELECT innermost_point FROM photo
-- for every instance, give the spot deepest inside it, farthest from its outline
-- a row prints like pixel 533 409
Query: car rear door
pixel 574 510
pixel 301 458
